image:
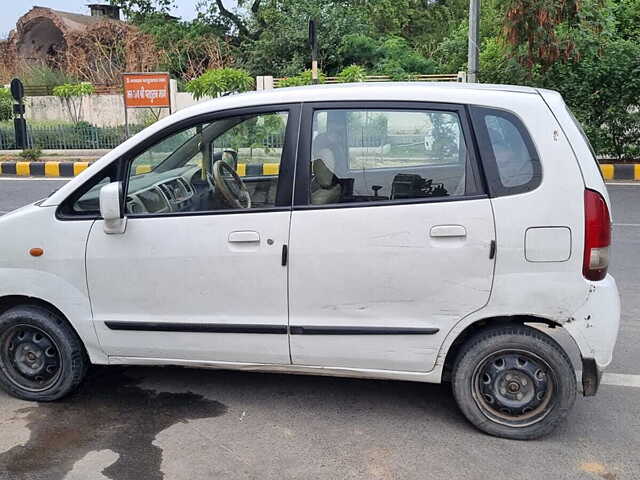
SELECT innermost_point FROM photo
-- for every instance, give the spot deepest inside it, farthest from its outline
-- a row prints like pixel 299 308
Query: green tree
pixel 352 73
pixel 72 96
pixel 627 17
pixel 603 90
pixel 303 78
pixel 137 10
pixel 588 53
pixel 269 37
pixel 189 48
pixel 282 49
pixel 222 81
pixel 392 56
pixel 422 24
pixel 497 66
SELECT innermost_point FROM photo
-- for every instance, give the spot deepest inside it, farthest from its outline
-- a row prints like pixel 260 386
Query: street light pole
pixel 474 40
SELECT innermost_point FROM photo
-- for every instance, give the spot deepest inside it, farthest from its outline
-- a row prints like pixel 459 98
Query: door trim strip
pixel 268 329
pixel 335 330
pixel 196 327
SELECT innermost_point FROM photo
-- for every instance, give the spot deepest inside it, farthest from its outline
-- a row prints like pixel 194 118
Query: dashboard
pixel 178 190
pixel 173 195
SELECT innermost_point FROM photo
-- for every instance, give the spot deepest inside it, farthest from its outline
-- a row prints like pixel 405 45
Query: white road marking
pixel 626 224
pixel 623 184
pixel 621 380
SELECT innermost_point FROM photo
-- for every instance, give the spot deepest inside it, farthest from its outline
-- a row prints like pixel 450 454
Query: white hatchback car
pixel 397 231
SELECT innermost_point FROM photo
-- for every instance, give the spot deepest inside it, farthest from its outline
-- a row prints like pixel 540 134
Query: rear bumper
pixel 591 376
pixel 594 327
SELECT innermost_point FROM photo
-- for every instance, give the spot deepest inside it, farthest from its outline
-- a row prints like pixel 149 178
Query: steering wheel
pixel 230 185
pixel 233 153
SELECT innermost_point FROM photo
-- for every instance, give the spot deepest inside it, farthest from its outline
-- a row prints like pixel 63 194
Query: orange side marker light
pixel 36 252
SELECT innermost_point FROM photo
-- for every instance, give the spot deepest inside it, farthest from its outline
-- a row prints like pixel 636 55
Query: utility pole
pixel 313 44
pixel 474 40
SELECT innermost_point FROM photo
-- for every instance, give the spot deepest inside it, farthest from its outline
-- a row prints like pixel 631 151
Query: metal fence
pixel 87 137
pixel 67 137
pixel 443 77
pixel 45 90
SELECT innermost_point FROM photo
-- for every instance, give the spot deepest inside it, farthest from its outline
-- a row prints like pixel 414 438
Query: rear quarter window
pixel 586 140
pixel 509 157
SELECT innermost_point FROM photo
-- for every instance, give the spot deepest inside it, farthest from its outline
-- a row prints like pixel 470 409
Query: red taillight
pixel 597 236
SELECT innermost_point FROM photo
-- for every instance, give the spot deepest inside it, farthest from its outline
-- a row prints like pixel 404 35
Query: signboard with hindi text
pixel 146 90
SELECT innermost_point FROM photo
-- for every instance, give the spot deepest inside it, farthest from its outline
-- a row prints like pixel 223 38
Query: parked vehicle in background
pixel 400 231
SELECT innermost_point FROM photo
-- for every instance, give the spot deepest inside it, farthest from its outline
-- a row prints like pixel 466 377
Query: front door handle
pixel 244 236
pixel 448 231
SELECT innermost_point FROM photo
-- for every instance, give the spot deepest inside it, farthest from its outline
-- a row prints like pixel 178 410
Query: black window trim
pixel 123 163
pixel 485 150
pixel 65 210
pixel 301 197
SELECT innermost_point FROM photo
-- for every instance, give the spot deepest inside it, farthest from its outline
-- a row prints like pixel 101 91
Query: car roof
pixel 398 91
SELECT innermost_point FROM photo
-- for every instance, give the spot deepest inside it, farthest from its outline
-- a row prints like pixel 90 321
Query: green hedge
pixel 6 105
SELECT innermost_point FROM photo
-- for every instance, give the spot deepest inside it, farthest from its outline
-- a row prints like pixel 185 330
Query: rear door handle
pixel 244 236
pixel 448 231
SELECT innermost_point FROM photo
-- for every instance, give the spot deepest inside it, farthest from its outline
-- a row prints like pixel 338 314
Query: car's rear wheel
pixel 41 356
pixel 514 381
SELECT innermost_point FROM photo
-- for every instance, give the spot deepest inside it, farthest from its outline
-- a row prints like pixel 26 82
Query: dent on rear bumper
pixel 594 325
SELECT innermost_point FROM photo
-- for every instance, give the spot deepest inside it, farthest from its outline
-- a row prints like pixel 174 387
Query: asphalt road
pixel 152 423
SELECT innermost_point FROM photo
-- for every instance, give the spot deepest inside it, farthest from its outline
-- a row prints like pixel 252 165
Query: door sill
pixel 433 376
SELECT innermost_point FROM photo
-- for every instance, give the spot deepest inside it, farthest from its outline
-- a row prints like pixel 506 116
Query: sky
pixel 12 10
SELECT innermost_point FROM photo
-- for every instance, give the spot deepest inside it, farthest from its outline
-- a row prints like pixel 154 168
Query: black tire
pixel 513 381
pixel 41 357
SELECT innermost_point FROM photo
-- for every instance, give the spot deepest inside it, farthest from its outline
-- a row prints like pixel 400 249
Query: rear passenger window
pixel 510 159
pixel 385 155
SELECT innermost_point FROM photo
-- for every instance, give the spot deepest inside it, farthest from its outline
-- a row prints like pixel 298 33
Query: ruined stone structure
pixel 40 34
pixel 96 48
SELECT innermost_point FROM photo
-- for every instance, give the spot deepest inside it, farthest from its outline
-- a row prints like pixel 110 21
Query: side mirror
pixel 111 208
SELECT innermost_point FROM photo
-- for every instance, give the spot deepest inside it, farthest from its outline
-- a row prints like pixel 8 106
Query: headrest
pixel 322 172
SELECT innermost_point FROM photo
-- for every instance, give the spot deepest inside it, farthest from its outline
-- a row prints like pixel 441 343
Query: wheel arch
pixel 480 324
pixel 10 301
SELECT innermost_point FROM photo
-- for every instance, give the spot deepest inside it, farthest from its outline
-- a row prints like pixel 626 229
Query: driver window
pixel 257 143
pixel 232 163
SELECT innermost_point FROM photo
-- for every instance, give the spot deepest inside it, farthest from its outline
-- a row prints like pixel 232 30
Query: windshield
pixel 185 142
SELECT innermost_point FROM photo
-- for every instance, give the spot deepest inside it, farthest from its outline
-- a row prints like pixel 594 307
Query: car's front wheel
pixel 514 381
pixel 41 357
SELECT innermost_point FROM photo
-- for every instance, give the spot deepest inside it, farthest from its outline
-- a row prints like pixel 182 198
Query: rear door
pixel 391 234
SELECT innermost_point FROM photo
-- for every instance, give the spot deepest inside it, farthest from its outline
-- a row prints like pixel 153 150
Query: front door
pixel 391 235
pixel 197 275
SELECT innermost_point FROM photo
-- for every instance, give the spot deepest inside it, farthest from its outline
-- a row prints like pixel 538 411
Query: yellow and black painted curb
pixel 71 169
pixel 243 169
pixel 42 169
pixel 620 171
pixel 610 171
